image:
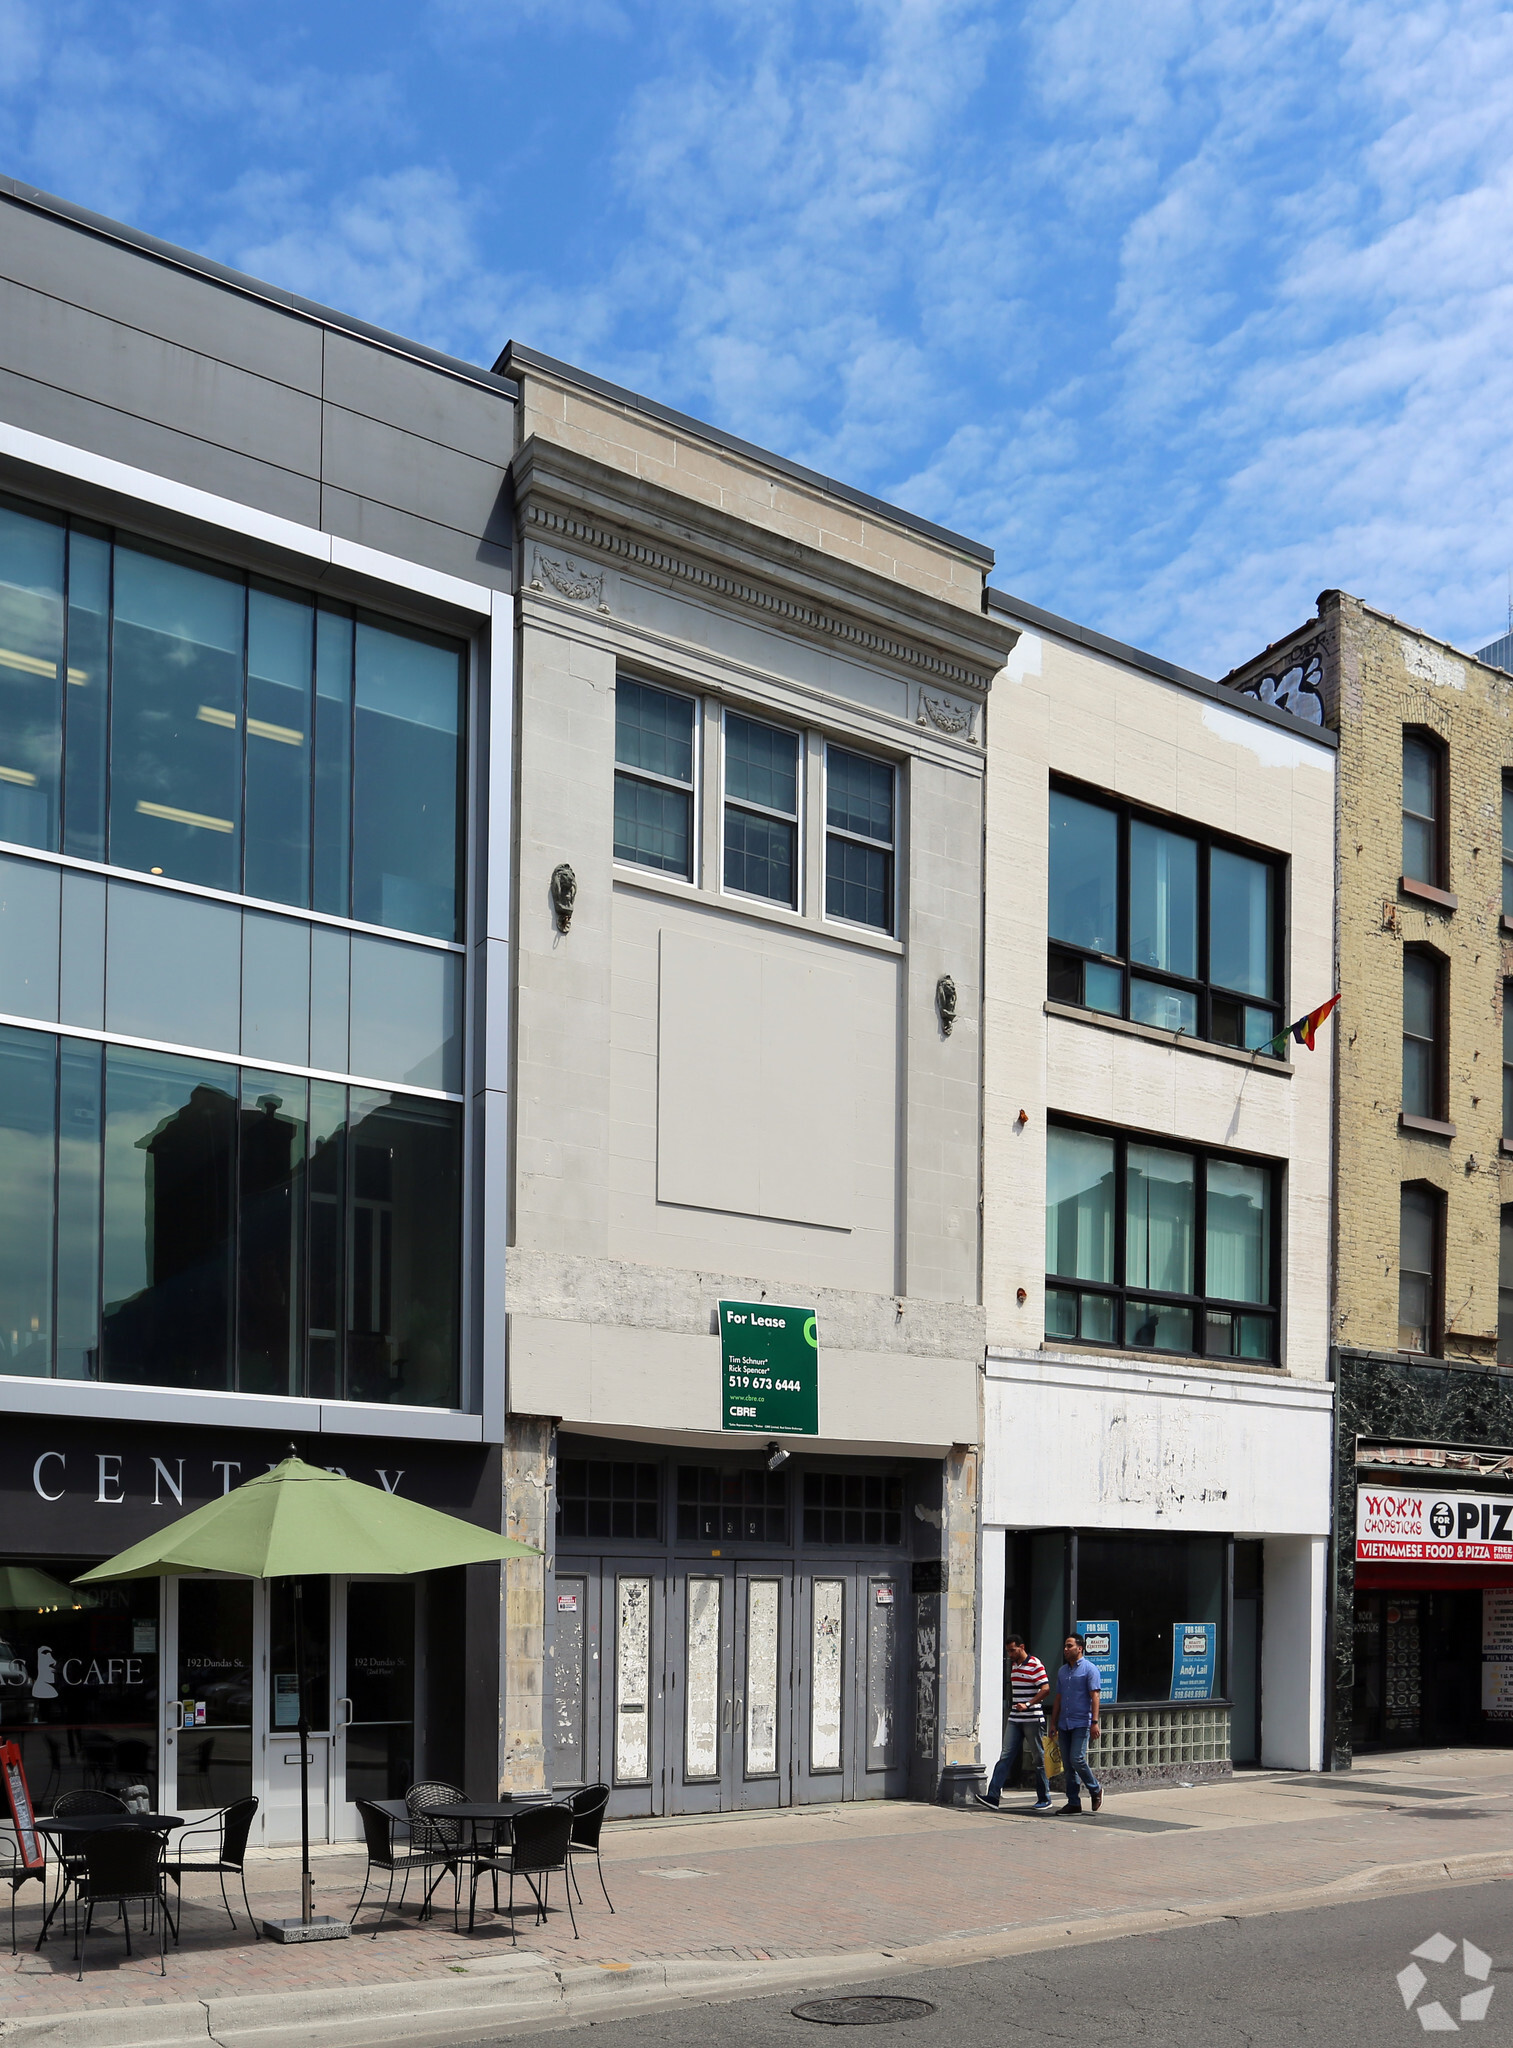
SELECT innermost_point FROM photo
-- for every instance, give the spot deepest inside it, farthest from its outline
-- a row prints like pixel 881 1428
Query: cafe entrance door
pixel 232 1702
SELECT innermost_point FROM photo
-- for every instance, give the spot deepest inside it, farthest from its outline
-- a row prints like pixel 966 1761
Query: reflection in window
pixel 858 839
pixel 253 1230
pixel 1418 1270
pixel 1209 972
pixel 1192 1269
pixel 761 810
pixel 251 740
pixel 653 778
pixel 1151 1585
pixel 380 1684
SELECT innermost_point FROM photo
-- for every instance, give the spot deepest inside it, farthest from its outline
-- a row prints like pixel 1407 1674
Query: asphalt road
pixel 1324 1976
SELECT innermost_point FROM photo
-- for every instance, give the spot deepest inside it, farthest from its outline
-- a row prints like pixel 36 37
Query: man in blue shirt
pixel 1074 1717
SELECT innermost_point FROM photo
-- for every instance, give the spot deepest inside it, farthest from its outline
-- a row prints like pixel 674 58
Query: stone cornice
pixel 627 522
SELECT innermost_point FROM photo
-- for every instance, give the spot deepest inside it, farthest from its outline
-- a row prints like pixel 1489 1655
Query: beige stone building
pixel 1157 1405
pixel 1423 1166
pixel 750 723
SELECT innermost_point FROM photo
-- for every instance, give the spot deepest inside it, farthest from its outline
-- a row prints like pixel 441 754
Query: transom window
pixel 160 711
pixel 654 778
pixel 858 839
pixel 761 810
pixel 1163 924
pixel 853 1508
pixel 717 1506
pixel 1423 809
pixel 1156 1248
pixel 608 1497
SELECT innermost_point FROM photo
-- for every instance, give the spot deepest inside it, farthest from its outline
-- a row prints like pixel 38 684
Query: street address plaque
pixel 770 1366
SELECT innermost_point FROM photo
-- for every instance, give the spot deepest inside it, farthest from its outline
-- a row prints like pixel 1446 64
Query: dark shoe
pixel 1071 1809
pixel 1097 1797
pixel 983 1800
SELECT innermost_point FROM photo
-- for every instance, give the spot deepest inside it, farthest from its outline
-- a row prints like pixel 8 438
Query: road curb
pixel 492 1997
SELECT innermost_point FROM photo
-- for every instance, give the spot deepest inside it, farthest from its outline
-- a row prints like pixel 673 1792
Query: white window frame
pixel 852 924
pixel 798 820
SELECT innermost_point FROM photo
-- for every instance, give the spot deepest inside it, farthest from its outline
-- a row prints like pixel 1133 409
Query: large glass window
pixel 1164 925
pixel 761 810
pixel 1159 1590
pixel 1423 808
pixel 1423 1049
pixel 222 1227
pixel 251 740
pixel 1505 1288
pixel 858 839
pixel 1418 1287
pixel 654 757
pixel 1158 1248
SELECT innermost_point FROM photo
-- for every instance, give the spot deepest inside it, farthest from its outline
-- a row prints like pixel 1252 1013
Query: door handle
pixel 346 1722
pixel 176 1707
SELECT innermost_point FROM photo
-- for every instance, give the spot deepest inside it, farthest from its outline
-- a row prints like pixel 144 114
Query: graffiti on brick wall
pixel 1298 688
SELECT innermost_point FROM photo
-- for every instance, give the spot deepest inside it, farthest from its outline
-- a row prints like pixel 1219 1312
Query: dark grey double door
pixel 707 1685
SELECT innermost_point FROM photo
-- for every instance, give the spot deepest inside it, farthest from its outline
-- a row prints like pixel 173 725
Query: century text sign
pixel 770 1368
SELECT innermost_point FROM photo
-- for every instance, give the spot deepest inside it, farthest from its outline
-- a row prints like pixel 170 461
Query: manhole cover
pixel 862 2010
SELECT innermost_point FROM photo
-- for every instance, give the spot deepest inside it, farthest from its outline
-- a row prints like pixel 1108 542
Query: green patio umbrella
pixel 298 1521
pixel 25 1590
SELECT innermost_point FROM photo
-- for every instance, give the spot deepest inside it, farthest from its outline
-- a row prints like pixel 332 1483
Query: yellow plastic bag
pixel 1053 1764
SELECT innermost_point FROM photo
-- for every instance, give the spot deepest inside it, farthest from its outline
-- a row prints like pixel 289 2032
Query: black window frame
pixel 593 1494
pixel 842 835
pixel 1067 962
pixel 1200 1303
pixel 1435 1334
pixel 730 1504
pixel 1439 1065
pixel 1434 747
pixel 650 778
pixel 1505 1285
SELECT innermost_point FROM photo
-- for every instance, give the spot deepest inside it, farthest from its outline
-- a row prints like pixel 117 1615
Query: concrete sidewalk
pixel 745 1904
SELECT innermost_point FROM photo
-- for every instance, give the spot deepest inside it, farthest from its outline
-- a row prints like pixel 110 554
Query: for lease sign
pixel 1397 1525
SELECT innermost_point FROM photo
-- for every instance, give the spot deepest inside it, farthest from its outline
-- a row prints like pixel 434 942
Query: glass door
pixel 374 1751
pixel 210 1744
pixel 280 1697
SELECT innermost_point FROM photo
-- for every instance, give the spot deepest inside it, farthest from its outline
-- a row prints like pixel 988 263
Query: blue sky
pixel 1190 308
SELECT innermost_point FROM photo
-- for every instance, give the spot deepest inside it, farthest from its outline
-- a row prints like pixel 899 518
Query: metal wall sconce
pixel 564 894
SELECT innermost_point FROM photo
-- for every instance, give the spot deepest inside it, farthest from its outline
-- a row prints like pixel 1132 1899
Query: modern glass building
pixel 247 642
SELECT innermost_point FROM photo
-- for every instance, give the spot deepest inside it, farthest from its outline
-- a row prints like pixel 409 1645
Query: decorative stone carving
pixel 570 579
pixel 949 715
pixel 945 1004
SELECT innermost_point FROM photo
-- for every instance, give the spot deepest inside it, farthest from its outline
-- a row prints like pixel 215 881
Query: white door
pixel 311 1599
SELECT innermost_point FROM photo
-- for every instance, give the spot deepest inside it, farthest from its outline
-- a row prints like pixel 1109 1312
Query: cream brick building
pixel 1156 1452
pixel 1424 1154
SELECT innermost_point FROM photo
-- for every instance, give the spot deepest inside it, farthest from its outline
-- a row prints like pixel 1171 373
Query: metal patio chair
pixel 540 1838
pixel 228 1830
pixel 587 1808
pixel 378 1834
pixel 120 1867
pixel 449 1839
pixel 73 1806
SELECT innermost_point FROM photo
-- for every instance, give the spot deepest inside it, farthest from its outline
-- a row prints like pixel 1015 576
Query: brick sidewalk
pixel 824 1881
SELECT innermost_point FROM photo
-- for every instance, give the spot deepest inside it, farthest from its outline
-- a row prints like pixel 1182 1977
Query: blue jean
pixel 1017 1736
pixel 1074 1755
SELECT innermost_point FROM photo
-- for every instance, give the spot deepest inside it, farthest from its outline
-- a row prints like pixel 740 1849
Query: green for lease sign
pixel 770 1362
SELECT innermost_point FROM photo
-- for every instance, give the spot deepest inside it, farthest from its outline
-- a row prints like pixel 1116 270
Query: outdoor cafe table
pixel 497 1813
pixel 75 1827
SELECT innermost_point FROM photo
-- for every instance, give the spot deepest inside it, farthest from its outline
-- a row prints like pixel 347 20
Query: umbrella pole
pixel 306 1887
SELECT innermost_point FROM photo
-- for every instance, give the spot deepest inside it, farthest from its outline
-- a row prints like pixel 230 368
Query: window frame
pixel 1434 746
pixel 1120 1291
pixel 1504 1288
pixel 1507 847
pixel 693 789
pixel 1440 1065
pixel 796 818
pixel 1435 1347
pixel 829 832
pixel 1200 986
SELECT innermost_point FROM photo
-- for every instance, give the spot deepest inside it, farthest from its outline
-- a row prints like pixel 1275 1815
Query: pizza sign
pixel 1395 1526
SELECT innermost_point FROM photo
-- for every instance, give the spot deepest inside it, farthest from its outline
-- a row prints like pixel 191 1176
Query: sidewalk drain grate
pixel 862 2010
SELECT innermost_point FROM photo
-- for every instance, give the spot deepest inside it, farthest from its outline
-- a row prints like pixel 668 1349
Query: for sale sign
pixel 1395 1525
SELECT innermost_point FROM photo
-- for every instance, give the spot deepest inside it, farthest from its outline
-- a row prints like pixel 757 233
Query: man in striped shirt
pixel 1025 1730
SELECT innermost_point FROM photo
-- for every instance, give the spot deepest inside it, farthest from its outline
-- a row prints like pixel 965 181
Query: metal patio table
pixel 494 1813
pixel 77 1826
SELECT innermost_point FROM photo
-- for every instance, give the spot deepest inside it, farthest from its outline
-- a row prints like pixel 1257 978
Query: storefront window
pixel 79 1681
pixel 1166 1593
